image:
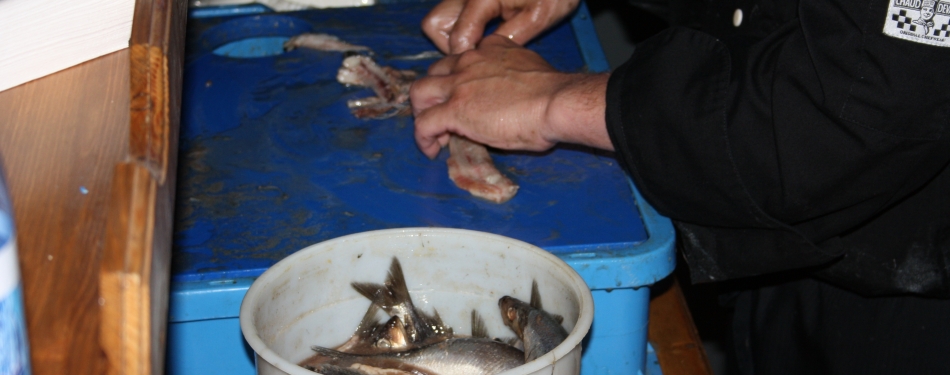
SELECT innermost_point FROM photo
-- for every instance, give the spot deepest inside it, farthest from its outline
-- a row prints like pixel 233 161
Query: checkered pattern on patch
pixel 903 20
pixel 943 31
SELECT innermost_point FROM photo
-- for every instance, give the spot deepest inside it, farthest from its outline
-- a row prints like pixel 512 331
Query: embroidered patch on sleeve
pixel 921 21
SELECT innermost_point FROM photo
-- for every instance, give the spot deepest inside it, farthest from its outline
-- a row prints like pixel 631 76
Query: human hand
pixel 456 26
pixel 508 97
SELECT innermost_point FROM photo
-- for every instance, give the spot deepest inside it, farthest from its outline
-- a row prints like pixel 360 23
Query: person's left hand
pixel 505 96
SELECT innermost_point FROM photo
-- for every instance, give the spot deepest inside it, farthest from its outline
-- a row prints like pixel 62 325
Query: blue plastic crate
pixel 271 161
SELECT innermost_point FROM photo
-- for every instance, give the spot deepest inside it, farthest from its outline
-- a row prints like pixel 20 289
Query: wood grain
pixel 125 270
pixel 157 53
pixel 60 137
pixel 673 334
pixel 136 262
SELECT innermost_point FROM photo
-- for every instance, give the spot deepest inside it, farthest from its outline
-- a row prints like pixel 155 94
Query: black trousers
pixel 807 326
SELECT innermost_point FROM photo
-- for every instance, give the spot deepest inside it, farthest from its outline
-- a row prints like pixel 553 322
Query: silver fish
pixel 393 297
pixel 372 337
pixel 455 356
pixel 355 369
pixel 395 338
pixel 539 331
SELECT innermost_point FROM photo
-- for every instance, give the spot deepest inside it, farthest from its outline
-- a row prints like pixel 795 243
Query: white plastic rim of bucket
pixel 580 289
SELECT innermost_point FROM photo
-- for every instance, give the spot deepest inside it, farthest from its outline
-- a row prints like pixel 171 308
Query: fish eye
pixel 512 313
pixel 384 343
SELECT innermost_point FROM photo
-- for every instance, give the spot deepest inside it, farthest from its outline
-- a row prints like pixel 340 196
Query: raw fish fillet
pixel 471 168
pixel 470 165
pixel 321 42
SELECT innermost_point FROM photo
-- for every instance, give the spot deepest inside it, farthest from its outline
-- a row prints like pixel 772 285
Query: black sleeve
pixel 768 152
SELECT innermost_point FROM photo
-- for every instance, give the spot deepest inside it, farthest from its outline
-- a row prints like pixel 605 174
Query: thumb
pixel 471 24
pixel 440 21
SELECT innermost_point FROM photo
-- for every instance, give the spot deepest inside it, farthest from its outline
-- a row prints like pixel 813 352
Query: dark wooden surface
pixel 673 334
pixel 60 137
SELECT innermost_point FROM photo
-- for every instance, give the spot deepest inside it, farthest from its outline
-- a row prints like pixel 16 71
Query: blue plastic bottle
pixel 14 350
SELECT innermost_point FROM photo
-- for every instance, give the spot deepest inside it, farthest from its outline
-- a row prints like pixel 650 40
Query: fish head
pixel 514 313
pixel 392 336
pixel 372 337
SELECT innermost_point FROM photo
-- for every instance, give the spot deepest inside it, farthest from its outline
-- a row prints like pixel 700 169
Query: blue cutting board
pixel 271 160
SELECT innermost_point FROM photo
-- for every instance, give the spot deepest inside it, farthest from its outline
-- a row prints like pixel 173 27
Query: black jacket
pixel 804 139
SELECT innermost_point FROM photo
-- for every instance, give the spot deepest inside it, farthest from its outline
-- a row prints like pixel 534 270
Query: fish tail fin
pixel 396 282
pixel 535 295
pixel 369 319
pixel 393 293
pixel 478 326
pixel 376 293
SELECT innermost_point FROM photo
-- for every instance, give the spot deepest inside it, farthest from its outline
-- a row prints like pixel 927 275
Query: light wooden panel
pixel 60 137
pixel 136 261
pixel 673 334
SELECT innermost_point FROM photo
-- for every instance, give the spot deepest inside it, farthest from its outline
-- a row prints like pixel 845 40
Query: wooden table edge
pixel 673 334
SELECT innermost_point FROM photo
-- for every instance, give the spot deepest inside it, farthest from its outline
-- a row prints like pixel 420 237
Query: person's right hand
pixel 506 96
pixel 456 26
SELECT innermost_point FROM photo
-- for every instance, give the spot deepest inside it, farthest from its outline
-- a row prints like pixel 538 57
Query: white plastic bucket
pixel 306 299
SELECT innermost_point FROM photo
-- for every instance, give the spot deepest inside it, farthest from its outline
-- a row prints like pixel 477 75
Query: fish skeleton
pixel 455 356
pixel 393 297
pixel 390 84
pixel 539 331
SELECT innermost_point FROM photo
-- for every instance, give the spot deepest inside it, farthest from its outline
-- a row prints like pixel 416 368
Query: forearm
pixel 576 112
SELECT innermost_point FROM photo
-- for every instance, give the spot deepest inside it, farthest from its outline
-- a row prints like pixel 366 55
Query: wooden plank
pixel 59 138
pixel 125 269
pixel 157 53
pixel 672 333
pixel 135 270
pixel 137 257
